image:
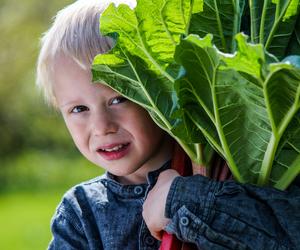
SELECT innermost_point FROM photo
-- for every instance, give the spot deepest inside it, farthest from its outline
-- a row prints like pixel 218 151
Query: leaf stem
pixel 194 92
pixel 236 24
pixel 153 105
pixel 269 155
pixel 277 133
pixel 262 22
pixel 289 175
pixel 212 141
pixel 253 26
pixel 268 106
pixel 187 149
pixel 276 23
pixel 267 162
pixel 199 153
pixel 287 119
pixel 207 135
pixel 221 33
pixel 226 150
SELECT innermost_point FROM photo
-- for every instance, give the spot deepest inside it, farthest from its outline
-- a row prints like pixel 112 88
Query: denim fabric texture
pixel 103 214
pixel 227 215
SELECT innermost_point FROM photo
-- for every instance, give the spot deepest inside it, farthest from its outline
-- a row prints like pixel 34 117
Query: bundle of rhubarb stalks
pixel 218 75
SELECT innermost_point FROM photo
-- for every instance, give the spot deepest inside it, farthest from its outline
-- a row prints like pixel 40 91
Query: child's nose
pixel 103 123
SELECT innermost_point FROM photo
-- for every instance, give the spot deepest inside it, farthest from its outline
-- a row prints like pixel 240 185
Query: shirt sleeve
pixel 227 215
pixel 66 231
pixel 66 235
pixel 73 225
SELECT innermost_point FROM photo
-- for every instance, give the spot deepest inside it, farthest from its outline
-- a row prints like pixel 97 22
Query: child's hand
pixel 155 203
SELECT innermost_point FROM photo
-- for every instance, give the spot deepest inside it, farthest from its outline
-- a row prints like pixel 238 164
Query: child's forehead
pixel 105 88
pixel 65 67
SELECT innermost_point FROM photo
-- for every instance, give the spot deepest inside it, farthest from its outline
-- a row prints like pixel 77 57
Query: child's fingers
pixel 157 235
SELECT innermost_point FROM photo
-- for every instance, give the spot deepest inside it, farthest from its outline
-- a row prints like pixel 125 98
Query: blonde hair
pixel 74 33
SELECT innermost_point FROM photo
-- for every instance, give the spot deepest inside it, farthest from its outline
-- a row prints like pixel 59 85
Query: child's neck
pixel 132 180
pixel 140 176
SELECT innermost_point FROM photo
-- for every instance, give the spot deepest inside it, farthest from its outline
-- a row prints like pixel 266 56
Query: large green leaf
pixel 141 65
pixel 277 25
pixel 255 9
pixel 222 19
pixel 241 98
pixel 199 69
pixel 241 103
pixel 294 43
pixel 287 159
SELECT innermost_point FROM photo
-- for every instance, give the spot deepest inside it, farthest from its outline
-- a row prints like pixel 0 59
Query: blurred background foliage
pixel 38 161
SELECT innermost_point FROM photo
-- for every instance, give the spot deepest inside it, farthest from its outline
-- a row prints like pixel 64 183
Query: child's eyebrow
pixel 70 103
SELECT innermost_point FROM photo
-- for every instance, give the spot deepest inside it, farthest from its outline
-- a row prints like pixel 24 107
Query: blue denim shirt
pixel 227 215
pixel 103 214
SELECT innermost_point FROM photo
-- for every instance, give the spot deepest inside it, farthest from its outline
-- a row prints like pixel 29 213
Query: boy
pixel 118 135
pixel 108 129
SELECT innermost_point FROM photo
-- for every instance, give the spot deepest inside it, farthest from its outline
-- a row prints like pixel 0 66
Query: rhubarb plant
pixel 214 74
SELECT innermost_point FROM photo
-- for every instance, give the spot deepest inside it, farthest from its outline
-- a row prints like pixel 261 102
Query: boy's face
pixel 108 129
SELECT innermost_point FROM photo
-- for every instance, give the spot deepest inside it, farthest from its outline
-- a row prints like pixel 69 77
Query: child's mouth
pixel 114 152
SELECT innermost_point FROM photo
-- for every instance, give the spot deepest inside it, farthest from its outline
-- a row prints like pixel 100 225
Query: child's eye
pixel 79 109
pixel 118 100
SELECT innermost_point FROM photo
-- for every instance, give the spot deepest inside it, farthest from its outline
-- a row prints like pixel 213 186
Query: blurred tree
pixel 25 121
pixel 36 152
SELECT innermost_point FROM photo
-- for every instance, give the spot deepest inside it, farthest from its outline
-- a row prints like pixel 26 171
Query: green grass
pixel 25 220
pixel 32 185
pixel 42 170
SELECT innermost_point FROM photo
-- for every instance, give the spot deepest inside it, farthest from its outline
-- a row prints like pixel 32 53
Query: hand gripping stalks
pixel 182 164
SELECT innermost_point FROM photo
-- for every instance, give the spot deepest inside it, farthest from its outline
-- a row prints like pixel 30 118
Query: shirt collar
pixel 133 191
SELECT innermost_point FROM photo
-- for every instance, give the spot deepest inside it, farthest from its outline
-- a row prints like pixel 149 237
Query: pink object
pixel 182 164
